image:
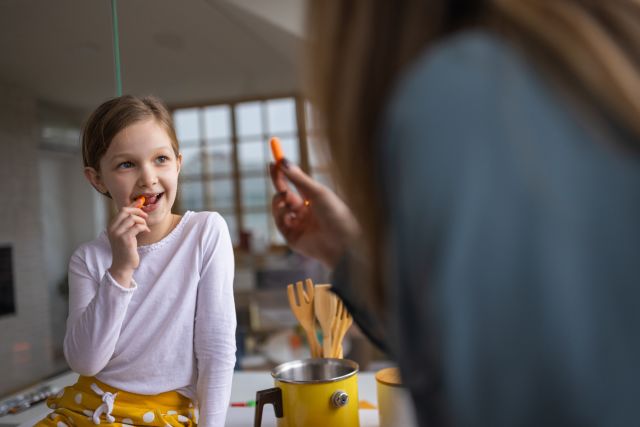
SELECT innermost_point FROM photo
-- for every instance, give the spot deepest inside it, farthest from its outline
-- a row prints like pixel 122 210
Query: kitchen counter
pixel 245 385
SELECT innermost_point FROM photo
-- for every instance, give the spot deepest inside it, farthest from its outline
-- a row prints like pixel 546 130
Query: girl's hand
pixel 315 223
pixel 122 232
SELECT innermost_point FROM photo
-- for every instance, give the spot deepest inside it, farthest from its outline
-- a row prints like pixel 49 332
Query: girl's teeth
pixel 151 200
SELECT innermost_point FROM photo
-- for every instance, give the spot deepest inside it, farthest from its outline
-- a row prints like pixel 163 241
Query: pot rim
pixel 317 361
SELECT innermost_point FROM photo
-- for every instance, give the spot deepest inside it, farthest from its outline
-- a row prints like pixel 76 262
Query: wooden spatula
pixel 325 305
pixel 342 323
pixel 304 312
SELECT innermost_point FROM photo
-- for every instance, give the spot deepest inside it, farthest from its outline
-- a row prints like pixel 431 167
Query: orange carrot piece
pixel 140 201
pixel 276 149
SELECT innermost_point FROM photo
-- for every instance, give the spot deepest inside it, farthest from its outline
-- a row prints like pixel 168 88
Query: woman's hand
pixel 315 222
pixel 122 232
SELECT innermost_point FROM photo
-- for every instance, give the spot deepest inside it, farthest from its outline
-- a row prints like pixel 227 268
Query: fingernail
pixel 285 163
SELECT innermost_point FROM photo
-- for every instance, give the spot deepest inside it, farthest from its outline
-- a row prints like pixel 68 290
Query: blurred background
pixel 229 71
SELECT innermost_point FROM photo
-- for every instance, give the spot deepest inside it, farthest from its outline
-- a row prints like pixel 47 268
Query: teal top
pixel 514 245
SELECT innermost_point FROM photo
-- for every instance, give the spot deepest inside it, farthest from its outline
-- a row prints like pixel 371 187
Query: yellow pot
pixel 312 393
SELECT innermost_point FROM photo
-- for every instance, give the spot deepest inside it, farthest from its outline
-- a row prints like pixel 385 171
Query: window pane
pixel 187 126
pixel 290 149
pixel 281 115
pixel 191 196
pixel 256 224
pixel 249 119
pixel 221 193
pixel 217 122
pixel 220 158
pixel 252 155
pixel 191 161
pixel 254 191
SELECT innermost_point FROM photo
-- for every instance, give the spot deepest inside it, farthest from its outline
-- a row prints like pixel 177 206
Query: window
pixel 225 152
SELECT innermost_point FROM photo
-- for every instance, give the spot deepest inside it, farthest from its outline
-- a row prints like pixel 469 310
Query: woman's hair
pixel 358 48
pixel 117 114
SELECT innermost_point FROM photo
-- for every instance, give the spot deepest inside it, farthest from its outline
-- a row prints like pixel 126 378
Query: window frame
pixel 236 174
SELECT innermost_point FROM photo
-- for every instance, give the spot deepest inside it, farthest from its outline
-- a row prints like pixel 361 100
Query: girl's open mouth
pixel 151 201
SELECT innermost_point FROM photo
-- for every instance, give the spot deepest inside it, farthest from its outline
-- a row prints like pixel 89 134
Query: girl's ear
pixel 179 161
pixel 93 176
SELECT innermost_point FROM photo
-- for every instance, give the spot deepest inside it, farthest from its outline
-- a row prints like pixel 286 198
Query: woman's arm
pixel 215 324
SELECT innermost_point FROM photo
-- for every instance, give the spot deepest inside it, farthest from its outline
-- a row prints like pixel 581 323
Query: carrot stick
pixel 140 201
pixel 276 149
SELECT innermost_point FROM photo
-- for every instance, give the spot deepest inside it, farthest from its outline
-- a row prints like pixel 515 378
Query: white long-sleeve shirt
pixel 174 329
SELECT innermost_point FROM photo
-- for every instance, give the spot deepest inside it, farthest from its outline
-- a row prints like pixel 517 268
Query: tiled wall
pixel 25 349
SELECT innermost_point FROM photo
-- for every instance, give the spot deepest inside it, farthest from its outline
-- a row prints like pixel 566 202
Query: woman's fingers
pixel 291 220
pixel 277 178
pixel 286 217
pixel 306 186
pixel 286 172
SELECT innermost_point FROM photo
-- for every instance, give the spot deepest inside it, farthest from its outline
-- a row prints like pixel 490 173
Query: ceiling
pixel 186 52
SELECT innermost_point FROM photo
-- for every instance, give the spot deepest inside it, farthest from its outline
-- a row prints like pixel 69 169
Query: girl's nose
pixel 148 177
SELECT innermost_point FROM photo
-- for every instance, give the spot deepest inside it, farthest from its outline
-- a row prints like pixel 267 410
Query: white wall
pixel 46 210
pixel 72 213
pixel 25 350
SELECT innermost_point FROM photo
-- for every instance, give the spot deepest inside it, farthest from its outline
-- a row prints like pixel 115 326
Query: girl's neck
pixel 159 231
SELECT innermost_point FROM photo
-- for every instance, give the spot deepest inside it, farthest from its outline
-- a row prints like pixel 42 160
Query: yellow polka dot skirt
pixel 90 402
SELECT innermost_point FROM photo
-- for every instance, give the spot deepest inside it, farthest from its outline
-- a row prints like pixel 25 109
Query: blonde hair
pixel 358 48
pixel 115 115
pixel 594 46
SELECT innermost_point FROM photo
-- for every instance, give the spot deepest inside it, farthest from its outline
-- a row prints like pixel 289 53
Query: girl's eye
pixel 162 159
pixel 125 165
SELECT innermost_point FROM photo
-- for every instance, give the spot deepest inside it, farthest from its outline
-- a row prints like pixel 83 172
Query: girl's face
pixel 141 162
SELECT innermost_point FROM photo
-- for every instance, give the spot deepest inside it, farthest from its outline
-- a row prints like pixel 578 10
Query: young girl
pixel 151 327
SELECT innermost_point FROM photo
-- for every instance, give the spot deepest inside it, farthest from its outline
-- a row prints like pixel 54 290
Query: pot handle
pixel 263 397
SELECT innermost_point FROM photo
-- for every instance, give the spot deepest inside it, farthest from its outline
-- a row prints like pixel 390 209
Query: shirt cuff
pixel 109 279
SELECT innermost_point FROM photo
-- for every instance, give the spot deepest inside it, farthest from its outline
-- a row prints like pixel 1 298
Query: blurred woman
pixel 487 154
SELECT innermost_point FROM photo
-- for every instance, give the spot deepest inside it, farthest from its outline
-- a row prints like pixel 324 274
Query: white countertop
pixel 245 385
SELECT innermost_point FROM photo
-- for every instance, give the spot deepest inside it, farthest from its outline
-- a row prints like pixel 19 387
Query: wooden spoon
pixel 325 303
pixel 342 323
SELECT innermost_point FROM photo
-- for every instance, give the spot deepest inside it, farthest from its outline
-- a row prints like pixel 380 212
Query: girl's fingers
pixel 128 222
pixel 124 227
pixel 135 211
pixel 139 220
pixel 125 214
pixel 137 229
